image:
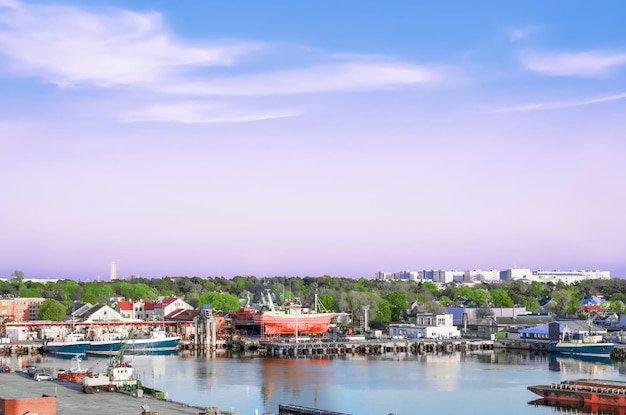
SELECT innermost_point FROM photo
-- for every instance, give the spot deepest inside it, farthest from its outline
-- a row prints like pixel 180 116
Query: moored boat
pixel 582 349
pixel 584 392
pixel 292 319
pixel 158 342
pixel 75 373
pixel 73 344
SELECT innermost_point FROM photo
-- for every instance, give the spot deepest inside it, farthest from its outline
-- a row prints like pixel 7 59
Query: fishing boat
pixel 71 345
pixel 582 349
pixel 584 392
pixel 582 343
pixel 75 373
pixel 157 342
pixel 292 319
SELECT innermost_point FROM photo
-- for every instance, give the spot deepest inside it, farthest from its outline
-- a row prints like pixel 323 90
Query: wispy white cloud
pixel 121 49
pixel 194 112
pixel 68 46
pixel 540 106
pixel 331 77
pixel 588 63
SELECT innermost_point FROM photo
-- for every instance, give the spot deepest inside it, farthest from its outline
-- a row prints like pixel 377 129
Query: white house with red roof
pixel 136 310
pixel 169 306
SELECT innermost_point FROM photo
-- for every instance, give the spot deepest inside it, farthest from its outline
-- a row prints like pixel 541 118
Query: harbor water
pixel 485 382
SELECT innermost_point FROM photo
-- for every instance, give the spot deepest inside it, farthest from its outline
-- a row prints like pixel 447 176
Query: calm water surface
pixel 482 383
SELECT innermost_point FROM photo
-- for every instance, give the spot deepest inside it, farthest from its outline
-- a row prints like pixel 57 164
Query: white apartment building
pixel 446 277
pixel 481 275
pixel 407 276
pixel 383 276
pixel 518 274
pixel 570 277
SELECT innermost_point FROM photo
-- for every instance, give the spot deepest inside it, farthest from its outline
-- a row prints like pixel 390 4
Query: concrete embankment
pixel 71 401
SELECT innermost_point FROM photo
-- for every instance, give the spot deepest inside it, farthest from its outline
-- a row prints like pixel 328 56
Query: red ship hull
pixel 274 322
pixel 584 392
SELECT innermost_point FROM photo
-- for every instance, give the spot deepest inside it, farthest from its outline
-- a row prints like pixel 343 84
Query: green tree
pixel 219 301
pixel 560 303
pixel 532 305
pixel 399 303
pixel 51 310
pixel 501 298
pixel 481 296
pixel 383 314
pixel 328 301
pixel 445 300
pixel 101 290
pixel 89 298
pixel 615 306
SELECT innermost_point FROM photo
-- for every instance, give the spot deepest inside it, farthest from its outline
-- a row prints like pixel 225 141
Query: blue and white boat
pixel 74 344
pixel 158 342
pixel 582 349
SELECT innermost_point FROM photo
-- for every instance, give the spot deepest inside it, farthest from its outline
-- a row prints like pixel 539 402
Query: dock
pixel 370 347
pixel 20 349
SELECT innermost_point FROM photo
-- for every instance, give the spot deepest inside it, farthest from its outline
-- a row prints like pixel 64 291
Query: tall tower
pixel 113 271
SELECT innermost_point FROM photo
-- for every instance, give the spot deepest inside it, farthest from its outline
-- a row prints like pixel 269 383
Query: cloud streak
pixel 331 77
pixel 134 52
pixel 69 46
pixel 585 64
pixel 541 106
pixel 194 112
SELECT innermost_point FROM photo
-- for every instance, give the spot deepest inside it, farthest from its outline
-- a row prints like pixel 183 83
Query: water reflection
pixel 572 408
pixel 592 366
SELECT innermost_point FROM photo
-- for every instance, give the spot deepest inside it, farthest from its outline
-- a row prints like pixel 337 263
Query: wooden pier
pixel 20 349
pixel 376 347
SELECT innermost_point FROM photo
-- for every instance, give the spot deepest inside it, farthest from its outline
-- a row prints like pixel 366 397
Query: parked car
pixel 5 369
pixel 42 376
pixel 31 371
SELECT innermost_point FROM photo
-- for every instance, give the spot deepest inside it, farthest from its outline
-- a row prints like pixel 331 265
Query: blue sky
pixel 308 138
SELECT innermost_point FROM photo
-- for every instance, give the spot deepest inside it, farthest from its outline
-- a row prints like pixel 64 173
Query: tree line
pixel 385 300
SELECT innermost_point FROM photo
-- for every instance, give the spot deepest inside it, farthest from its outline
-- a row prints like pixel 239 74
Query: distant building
pixel 480 275
pixel 383 276
pixel 475 275
pixel 113 271
pixel 136 310
pixel 570 277
pixel 517 274
pixel 463 315
pixel 427 326
pixel 19 309
pixel 406 276
pixel 447 277
pixel 169 305
pixel 97 313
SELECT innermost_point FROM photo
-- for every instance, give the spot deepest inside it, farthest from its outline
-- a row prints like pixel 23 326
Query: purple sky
pixel 303 139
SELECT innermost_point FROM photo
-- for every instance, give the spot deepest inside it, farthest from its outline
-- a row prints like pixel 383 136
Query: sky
pixel 308 138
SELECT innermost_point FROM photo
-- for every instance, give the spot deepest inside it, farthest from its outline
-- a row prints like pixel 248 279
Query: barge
pixel 584 392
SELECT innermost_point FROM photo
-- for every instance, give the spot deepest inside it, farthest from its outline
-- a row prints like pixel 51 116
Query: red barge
pixel 584 392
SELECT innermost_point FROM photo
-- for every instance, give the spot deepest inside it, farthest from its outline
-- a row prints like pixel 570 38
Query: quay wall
pixel 20 349
pixel 284 349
